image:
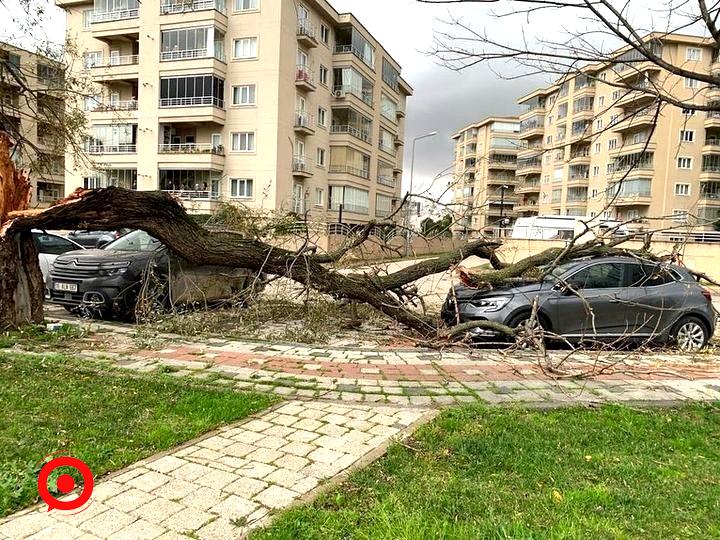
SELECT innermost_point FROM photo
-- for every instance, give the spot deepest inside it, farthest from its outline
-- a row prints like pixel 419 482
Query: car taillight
pixel 707 294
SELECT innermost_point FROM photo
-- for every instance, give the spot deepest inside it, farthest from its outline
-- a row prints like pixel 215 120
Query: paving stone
pixel 139 530
pixel 235 507
pixel 303 436
pixel 203 498
pixel 271 442
pixel 220 529
pixel 292 462
pixel 108 522
pixel 311 414
pixel 189 472
pixel 215 479
pixel 57 531
pixel 27 524
pixel 215 443
pixel 129 500
pixel 332 430
pixel 306 484
pixel 275 497
pixel 246 487
pixel 255 469
pixel 308 424
pixel 264 455
pixel 285 477
pixel 284 420
pixel 298 448
pixel 190 519
pixel 239 449
pixel 158 510
pixel 175 489
pixel 325 455
pixel 280 431
pixel 149 481
pixel 165 464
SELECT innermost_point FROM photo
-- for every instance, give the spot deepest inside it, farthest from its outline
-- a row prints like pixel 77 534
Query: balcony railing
pixel 358 133
pixel 191 54
pixel 192 102
pixel 341 169
pixel 190 194
pixel 365 95
pixel 127 105
pixel 304 74
pixel 301 164
pixel 125 60
pixel 116 15
pixel 386 148
pixel 113 149
pixel 712 142
pixel 191 148
pixel 179 6
pixel 386 180
pixel 303 120
pixel 306 28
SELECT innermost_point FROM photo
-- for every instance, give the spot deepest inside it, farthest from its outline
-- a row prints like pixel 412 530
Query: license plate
pixel 69 287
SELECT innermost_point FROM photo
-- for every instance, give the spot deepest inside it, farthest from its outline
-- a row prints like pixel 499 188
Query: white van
pixel 562 228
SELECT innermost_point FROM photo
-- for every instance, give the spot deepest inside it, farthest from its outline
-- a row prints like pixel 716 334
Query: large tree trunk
pixel 21 287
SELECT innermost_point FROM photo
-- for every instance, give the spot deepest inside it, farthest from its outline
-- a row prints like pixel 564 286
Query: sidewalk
pixel 224 484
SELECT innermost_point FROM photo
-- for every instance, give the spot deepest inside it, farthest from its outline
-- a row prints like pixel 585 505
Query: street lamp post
pixel 409 201
pixel 502 208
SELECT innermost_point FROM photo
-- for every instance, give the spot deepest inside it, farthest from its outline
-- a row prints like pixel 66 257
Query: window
pixel 682 190
pixel 52 244
pixel 187 43
pixel 319 197
pixel 245 48
pixel 92 102
pixel 599 124
pixel 616 95
pixel 241 188
pixel 603 76
pixel 680 216
pixel 691 83
pixel 323 75
pixel 192 91
pixel 596 170
pixel 246 5
pixel 324 34
pixel 693 53
pixel 550 120
pixel 601 101
pixel 390 75
pixel 321 155
pixel 688 112
pixel 687 135
pixel 243 141
pixel 684 163
pixel 87 18
pixel 388 108
pixel 322 117
pixel 598 148
pixel 92 59
pixel 244 95
pixel 594 193
pixel 598 276
pixel 548 139
pixel 612 144
pixel 352 199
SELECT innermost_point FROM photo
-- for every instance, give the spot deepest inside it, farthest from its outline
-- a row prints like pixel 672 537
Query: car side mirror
pixel 565 289
pixel 102 243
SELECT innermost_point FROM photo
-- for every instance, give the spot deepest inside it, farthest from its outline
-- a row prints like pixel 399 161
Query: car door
pixel 588 302
pixel 49 246
pixel 659 299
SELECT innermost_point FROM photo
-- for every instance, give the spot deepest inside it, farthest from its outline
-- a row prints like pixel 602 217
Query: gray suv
pixel 604 299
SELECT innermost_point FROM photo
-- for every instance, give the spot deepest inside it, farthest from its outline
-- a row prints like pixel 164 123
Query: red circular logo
pixel 65 483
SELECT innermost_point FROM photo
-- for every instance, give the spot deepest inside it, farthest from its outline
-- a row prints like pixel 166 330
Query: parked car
pixel 564 228
pixel 49 246
pixel 628 298
pixel 108 281
pixel 96 239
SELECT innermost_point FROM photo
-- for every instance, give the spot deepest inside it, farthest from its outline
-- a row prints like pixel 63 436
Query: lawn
pixel 495 473
pixel 108 419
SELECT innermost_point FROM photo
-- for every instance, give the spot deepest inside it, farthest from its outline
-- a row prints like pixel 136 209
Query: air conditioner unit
pixel 339 93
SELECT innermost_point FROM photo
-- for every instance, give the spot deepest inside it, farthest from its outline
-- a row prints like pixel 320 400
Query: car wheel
pixel 522 322
pixel 690 334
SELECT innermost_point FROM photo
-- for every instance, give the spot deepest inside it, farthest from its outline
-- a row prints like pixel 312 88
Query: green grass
pixel 38 336
pixel 108 419
pixel 494 473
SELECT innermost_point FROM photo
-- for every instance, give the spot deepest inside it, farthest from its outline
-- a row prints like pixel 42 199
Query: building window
pixel 322 117
pixel 680 216
pixel 550 120
pixel 241 188
pixel 323 75
pixel 243 142
pixel 682 190
pixel 87 18
pixel 691 83
pixel 245 48
pixel 687 135
pixel 601 100
pixel 388 108
pixel 246 5
pixel 244 95
pixel 684 163
pixel 596 170
pixel 616 95
pixel 319 197
pixel 324 34
pixel 610 168
pixel 192 91
pixel 599 124
pixel 612 144
pixel 549 140
pixel 598 147
pixel 594 193
pixel 352 199
pixel 321 154
pixel 693 53
pixel 603 76
pixel 688 112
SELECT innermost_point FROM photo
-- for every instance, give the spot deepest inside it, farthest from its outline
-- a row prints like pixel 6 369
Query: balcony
pixel 711 146
pixel 118 154
pixel 387 149
pixel 529 166
pixel 500 180
pixel 196 109
pixel 532 127
pixel 580 157
pixel 710 172
pixel 307 33
pixel 632 199
pixel 712 119
pixel 633 146
pixel 531 151
pixel 197 201
pixel 169 7
pixel 358 133
pixel 343 92
pixel 116 68
pixel 386 180
pixel 114 110
pixel 583 113
pixel 121 22
pixel 501 164
pixel 302 167
pixel 528 187
pixel 192 155
pixel 349 169
pixel 112 149
pixel 525 208
pixel 304 78
pixel 637 119
pixel 626 71
pixel 635 97
pixel 304 123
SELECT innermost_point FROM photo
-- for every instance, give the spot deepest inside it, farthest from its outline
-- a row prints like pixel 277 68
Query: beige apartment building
pixel 279 105
pixel 592 150
pixel 485 198
pixel 31 110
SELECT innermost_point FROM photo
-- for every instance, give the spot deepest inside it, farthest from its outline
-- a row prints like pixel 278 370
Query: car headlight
pixel 113 268
pixel 495 303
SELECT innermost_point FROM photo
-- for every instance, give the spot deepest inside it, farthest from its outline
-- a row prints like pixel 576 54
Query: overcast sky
pixel 444 100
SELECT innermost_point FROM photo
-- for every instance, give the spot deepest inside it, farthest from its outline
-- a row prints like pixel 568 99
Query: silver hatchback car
pixel 605 299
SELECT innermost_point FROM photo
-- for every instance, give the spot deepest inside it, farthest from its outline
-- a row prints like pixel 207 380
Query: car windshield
pixel 557 272
pixel 135 241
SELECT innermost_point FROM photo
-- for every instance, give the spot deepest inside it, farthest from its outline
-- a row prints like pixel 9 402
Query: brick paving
pixel 223 485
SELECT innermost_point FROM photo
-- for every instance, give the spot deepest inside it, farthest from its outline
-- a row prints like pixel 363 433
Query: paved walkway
pixel 223 485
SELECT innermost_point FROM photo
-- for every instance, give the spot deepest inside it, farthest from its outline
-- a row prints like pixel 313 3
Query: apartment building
pixel 485 199
pixel 279 105
pixel 31 109
pixel 596 149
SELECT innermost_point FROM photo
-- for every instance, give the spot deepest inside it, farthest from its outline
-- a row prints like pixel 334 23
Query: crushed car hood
pixel 464 293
